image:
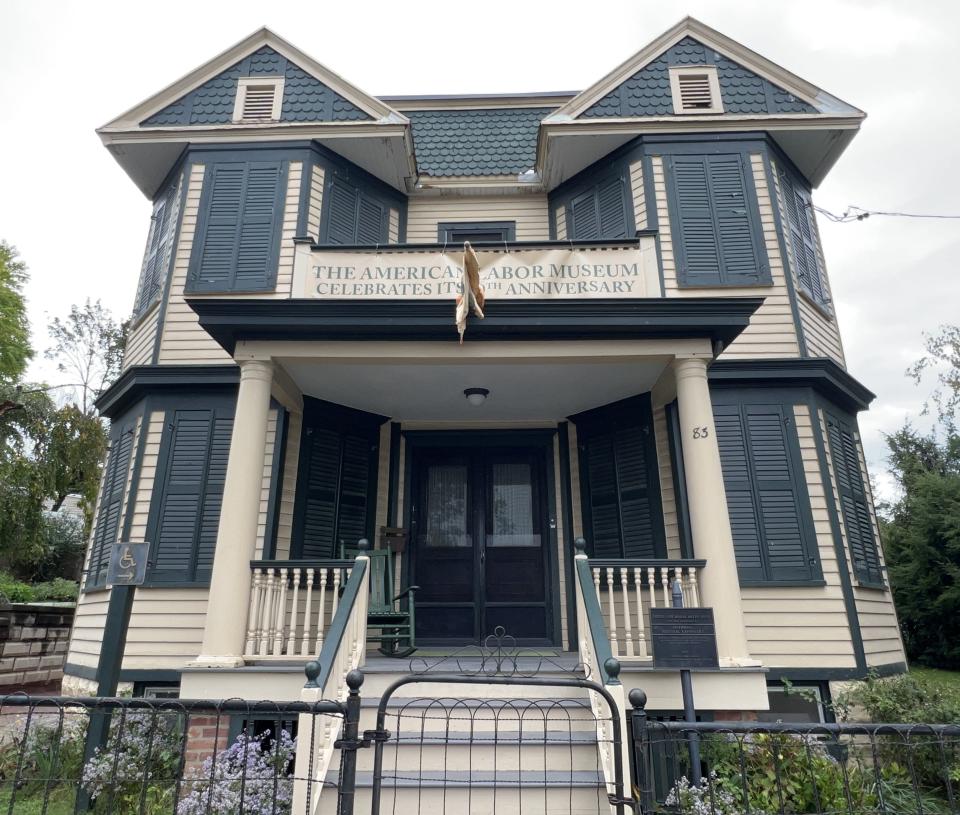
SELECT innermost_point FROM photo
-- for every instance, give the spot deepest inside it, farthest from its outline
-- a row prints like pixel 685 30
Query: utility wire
pixel 853 213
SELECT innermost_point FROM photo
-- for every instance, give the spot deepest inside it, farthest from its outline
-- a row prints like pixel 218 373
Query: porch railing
pixel 627 589
pixel 292 604
pixel 342 652
pixel 601 665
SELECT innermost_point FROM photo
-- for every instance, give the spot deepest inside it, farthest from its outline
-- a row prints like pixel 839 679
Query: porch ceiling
pixel 434 391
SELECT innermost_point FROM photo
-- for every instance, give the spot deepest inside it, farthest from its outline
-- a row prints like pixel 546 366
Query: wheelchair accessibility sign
pixel 128 564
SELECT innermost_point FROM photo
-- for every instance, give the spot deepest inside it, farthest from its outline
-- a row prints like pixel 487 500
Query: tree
pixel 921 529
pixel 15 349
pixel 88 345
pixel 921 538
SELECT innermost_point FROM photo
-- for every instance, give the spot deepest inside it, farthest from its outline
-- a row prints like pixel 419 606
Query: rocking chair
pixel 392 617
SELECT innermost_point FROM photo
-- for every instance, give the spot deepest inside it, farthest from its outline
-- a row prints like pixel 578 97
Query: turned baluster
pixel 641 630
pixel 307 616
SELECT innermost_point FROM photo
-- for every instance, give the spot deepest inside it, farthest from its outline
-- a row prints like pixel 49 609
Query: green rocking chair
pixel 392 617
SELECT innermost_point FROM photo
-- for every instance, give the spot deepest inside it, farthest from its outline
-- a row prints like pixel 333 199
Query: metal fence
pixel 758 767
pixel 154 757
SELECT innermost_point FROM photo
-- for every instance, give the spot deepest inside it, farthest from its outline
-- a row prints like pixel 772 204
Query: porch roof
pixel 230 320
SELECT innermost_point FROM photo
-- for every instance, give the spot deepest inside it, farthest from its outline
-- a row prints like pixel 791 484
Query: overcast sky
pixel 80 223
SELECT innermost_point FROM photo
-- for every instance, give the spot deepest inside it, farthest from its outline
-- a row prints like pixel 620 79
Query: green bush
pixel 16 591
pixel 58 590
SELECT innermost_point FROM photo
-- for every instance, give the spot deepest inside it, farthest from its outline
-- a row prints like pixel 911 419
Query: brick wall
pixel 33 644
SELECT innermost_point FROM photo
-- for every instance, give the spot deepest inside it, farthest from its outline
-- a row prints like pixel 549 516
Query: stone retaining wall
pixel 33 644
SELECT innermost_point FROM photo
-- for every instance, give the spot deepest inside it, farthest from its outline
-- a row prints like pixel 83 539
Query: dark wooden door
pixel 479 548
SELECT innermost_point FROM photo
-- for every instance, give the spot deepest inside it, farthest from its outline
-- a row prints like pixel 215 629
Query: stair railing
pixel 343 650
pixel 601 666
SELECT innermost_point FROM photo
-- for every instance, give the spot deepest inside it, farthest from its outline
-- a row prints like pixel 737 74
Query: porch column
pixel 225 629
pixel 709 521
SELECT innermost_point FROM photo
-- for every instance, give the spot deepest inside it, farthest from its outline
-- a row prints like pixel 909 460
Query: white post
pixel 709 521
pixel 223 635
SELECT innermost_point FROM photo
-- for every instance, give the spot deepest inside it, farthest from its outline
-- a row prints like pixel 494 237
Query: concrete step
pixel 476 792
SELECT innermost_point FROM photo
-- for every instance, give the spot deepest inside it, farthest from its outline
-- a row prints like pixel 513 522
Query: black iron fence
pixel 766 768
pixel 155 757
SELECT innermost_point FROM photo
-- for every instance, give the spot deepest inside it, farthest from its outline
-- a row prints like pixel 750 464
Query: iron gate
pixel 526 744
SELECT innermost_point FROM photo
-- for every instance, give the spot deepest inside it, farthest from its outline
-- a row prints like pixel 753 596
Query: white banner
pixel 528 274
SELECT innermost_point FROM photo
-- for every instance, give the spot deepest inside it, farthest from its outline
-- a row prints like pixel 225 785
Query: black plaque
pixel 683 638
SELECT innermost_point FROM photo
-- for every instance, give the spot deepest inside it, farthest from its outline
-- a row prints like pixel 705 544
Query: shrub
pixel 143 750
pixel 251 775
pixel 780 772
pixel 51 750
pixel 58 590
pixel 16 591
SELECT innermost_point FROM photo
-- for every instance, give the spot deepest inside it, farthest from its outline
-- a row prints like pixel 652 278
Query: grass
pixel 948 681
pixel 60 801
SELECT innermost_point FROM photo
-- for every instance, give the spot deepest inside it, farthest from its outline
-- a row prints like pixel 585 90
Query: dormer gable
pixel 293 93
pixel 657 89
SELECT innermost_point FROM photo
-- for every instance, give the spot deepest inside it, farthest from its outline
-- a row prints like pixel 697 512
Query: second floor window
pixel 600 212
pixel 802 228
pixel 237 241
pixel 715 222
pixel 354 216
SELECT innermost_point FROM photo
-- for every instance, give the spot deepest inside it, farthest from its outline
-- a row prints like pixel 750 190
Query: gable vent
pixel 695 90
pixel 259 99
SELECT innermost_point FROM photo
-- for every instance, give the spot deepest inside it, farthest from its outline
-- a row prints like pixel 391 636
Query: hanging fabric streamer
pixel 472 297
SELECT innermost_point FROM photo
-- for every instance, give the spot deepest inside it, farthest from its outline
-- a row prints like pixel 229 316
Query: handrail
pixel 331 562
pixel 648 562
pixel 338 626
pixel 598 631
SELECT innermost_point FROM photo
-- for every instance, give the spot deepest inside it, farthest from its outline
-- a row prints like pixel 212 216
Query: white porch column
pixel 707 501
pixel 225 629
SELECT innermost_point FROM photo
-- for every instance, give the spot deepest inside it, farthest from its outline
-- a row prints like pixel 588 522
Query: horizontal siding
pixel 183 340
pixel 141 339
pixel 148 472
pixel 87 633
pixel 671 525
pixel 875 610
pixel 771 332
pixel 166 628
pixel 289 488
pixel 393 227
pixel 316 201
pixel 561 223
pixel 639 197
pixel 803 627
pixel 529 211
pixel 265 481
pixel 878 617
pixel 821 335
pixel 291 209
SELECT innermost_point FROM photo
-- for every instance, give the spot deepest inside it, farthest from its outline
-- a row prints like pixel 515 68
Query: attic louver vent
pixel 695 90
pixel 258 99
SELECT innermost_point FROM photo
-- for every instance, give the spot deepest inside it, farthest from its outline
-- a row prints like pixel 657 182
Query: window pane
pixel 446 521
pixel 511 494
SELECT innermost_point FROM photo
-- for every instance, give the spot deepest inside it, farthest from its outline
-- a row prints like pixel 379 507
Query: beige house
pixel 659 370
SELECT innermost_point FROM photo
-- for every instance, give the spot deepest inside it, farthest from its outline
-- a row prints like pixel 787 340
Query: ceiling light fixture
pixel 476 396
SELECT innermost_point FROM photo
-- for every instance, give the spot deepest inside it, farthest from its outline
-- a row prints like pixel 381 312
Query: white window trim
pixel 687 70
pixel 258 81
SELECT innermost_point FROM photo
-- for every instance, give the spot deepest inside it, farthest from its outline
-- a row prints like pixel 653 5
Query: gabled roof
pixel 691 32
pixel 258 44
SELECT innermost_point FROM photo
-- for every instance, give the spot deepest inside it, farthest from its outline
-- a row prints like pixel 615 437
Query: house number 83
pixel 700 432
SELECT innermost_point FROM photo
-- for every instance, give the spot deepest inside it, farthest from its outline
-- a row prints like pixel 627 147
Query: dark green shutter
pixel 354 217
pixel 336 483
pixel 584 218
pixel 599 213
pixel 238 233
pixel 716 228
pixel 342 213
pixel 767 501
pixel 151 277
pixel 190 494
pixel 620 484
pixel 111 502
pixel 857 520
pixel 800 216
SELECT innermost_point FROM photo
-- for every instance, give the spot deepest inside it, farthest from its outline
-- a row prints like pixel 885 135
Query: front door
pixel 480 544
